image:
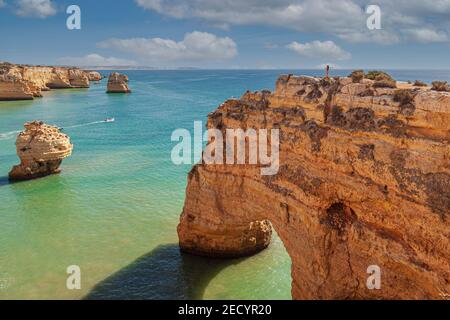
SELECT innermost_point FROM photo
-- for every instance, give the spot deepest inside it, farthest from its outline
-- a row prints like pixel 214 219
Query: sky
pixel 242 34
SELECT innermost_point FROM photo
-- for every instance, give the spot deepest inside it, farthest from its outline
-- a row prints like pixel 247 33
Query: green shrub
pixel 403 96
pixel 419 83
pixel 440 86
pixel 378 75
pixel 385 83
pixel 357 76
pixel 382 79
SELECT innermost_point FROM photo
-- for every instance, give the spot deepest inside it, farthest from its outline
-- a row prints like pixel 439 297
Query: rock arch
pixel 337 209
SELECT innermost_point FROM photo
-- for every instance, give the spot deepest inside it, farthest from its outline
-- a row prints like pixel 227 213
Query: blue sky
pixel 228 34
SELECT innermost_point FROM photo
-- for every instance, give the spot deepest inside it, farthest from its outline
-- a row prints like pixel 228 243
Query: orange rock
pixel 23 82
pixel 118 83
pixel 94 76
pixel 364 180
pixel 41 149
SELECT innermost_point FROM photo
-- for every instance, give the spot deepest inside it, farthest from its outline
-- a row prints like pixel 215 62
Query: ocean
pixel 114 209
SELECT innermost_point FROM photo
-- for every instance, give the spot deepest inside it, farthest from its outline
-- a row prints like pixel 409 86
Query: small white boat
pixel 110 120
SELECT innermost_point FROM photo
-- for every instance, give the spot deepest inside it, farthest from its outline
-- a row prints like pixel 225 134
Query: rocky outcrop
pixel 17 89
pixel 118 83
pixel 41 149
pixel 23 82
pixel 94 76
pixel 78 78
pixel 364 180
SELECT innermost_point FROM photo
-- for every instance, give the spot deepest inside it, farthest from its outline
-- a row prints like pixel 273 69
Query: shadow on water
pixel 163 274
pixel 4 181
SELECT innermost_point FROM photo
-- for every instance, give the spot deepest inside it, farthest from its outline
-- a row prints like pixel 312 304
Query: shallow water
pixel 114 209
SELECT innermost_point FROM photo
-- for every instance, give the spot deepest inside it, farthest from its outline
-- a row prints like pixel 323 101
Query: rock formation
pixel 364 180
pixel 23 82
pixel 118 83
pixel 94 76
pixel 41 149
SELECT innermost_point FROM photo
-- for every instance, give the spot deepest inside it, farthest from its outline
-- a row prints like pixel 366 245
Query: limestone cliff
pixel 23 82
pixel 364 180
pixel 41 149
pixel 118 83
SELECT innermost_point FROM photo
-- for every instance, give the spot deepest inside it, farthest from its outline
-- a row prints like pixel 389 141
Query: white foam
pixel 8 135
pixel 85 124
pixel 13 134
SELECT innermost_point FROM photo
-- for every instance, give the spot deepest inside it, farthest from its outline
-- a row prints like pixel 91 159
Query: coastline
pixel 132 151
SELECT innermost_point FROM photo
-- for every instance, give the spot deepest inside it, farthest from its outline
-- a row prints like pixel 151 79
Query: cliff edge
pixel 24 82
pixel 364 180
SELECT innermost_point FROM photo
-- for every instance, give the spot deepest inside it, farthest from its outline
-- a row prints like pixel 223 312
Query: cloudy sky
pixel 415 34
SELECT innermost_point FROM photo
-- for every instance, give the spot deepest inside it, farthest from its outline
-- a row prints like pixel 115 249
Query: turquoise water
pixel 114 209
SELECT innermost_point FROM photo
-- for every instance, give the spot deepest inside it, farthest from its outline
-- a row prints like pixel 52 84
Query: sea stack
pixel 41 149
pixel 363 187
pixel 118 83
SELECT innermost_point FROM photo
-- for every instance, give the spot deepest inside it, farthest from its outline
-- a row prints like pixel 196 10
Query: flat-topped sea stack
pixel 41 149
pixel 363 182
pixel 23 82
pixel 118 83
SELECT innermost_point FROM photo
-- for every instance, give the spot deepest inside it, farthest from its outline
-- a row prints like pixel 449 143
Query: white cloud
pixel 320 49
pixel 345 19
pixel 2 3
pixel 375 36
pixel 196 46
pixel 35 8
pixel 427 35
pixel 96 60
pixel 311 15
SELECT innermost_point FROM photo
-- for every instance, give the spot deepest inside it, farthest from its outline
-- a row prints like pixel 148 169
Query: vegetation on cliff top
pixel 440 86
pixel 381 78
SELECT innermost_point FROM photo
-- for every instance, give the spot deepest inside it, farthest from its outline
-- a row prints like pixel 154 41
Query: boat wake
pixel 85 124
pixel 8 135
pixel 13 134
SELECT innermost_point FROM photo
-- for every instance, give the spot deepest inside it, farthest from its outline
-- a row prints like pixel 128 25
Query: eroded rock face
pixel 94 76
pixel 41 149
pixel 23 82
pixel 118 83
pixel 364 180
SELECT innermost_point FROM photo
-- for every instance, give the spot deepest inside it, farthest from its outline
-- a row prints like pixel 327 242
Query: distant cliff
pixel 23 82
pixel 364 180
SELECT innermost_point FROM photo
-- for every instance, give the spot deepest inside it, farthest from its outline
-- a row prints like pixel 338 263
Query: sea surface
pixel 114 209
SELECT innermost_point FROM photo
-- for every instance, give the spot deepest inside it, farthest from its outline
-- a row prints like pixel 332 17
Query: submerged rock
pixel 364 180
pixel 41 149
pixel 118 83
